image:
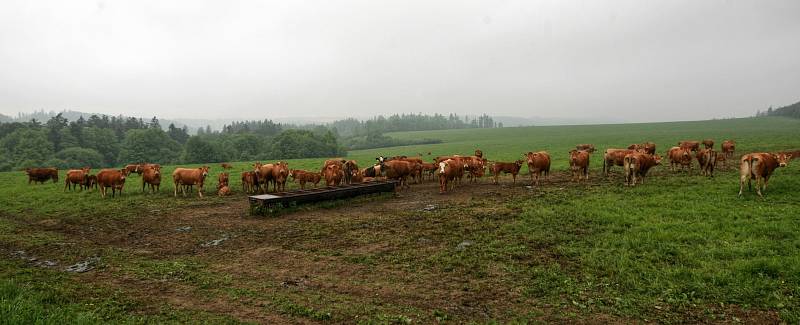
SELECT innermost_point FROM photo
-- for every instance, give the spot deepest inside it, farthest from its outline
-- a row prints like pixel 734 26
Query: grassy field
pixel 677 249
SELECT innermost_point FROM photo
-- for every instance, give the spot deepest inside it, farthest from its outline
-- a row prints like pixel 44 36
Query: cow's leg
pixel 758 186
pixel 175 189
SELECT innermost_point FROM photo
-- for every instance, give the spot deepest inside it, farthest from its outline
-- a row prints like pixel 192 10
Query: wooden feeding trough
pixel 267 202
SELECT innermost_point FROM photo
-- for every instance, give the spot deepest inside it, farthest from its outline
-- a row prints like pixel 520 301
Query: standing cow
pixel 760 166
pixel 708 143
pixel 77 178
pixel 680 156
pixel 728 148
pixel 693 146
pixel 399 170
pixel 614 157
pixel 41 175
pixel 707 159
pixel 113 178
pixel 190 177
pixel 280 173
pixel 250 182
pixel 151 178
pixel 637 165
pixel 333 174
pixel 538 165
pixel 507 168
pixel 579 164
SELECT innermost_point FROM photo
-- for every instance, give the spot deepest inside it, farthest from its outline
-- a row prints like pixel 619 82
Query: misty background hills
pixel 192 124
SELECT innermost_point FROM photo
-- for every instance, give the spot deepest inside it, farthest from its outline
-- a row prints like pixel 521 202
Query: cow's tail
pixel 745 173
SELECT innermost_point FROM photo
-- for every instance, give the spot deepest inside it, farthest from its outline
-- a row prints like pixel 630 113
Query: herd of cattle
pixel 636 161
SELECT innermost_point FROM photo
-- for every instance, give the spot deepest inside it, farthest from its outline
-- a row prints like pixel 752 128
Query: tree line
pixel 787 111
pixel 106 141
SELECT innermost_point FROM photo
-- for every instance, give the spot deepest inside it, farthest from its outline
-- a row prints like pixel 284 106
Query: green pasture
pixel 676 249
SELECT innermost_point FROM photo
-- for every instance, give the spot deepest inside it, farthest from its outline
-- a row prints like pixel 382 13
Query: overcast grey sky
pixel 638 60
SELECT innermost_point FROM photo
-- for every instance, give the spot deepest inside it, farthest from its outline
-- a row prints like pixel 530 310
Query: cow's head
pixel 529 156
pixel 782 158
pixel 519 163
pixel 257 165
pixel 657 159
pixel 123 174
pixel 380 159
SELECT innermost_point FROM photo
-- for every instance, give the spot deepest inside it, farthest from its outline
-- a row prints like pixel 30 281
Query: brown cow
pixel 41 175
pixel 134 168
pixel 265 173
pixel 614 157
pixel 579 164
pixel 151 178
pixel 721 159
pixel 280 173
pixel 693 146
pixel 680 156
pixel 77 178
pixel 538 165
pixel 476 168
pixel 349 167
pixel 399 170
pixel 249 182
pixel 92 179
pixel 225 166
pixel 760 166
pixel 638 164
pixel 224 191
pixel 428 169
pixel 448 172
pixel 222 180
pixel 728 148
pixel 586 147
pixel 508 168
pixel 113 178
pixel 357 177
pixel 300 176
pixel 707 159
pixel 190 177
pixel 333 175
pixel 708 143
pixel 478 153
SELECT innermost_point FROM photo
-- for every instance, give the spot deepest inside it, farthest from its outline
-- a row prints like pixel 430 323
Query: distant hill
pixel 5 119
pixel 42 116
pixel 509 121
pixel 792 110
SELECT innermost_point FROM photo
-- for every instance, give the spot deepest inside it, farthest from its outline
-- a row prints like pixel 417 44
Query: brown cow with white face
pixel 538 165
pixel 680 156
pixel 760 166
pixel 579 164
pixel 707 159
pixel 448 172
pixel 638 164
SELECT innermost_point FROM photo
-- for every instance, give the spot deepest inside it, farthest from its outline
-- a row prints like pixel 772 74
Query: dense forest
pixel 103 141
pixel 787 111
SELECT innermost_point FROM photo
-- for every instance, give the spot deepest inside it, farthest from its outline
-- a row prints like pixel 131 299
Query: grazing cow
pixel 614 157
pixel 680 156
pixel 225 166
pixel 586 147
pixel 760 166
pixel 349 167
pixel 224 191
pixel 638 164
pixel 134 168
pixel 693 146
pixel 707 159
pixel 41 175
pixel 222 180
pixel 92 179
pixel 280 173
pixel 708 143
pixel 333 175
pixel 249 182
pixel 151 178
pixel 398 169
pixel 113 178
pixel 538 165
pixel 190 177
pixel 508 168
pixel 77 178
pixel 448 172
pixel 728 148
pixel 579 164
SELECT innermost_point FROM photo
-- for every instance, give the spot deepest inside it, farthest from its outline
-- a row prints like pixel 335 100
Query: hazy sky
pixel 636 60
